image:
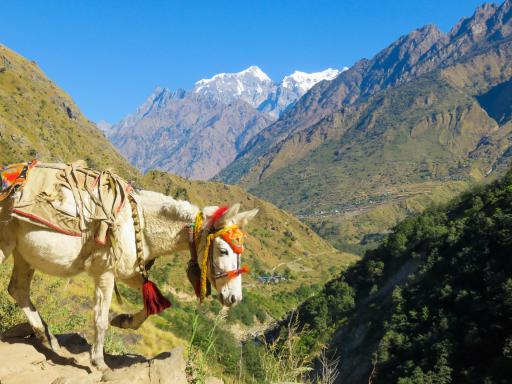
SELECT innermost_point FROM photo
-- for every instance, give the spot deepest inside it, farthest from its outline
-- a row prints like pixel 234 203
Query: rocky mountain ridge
pixel 197 133
pixel 409 57
pixel 256 88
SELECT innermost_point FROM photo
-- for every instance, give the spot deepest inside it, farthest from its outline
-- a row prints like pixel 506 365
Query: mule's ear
pixel 244 217
pixel 228 216
pixel 208 213
pixel 232 211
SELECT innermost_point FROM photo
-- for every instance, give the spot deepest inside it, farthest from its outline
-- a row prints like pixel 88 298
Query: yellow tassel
pixel 204 267
pixel 198 225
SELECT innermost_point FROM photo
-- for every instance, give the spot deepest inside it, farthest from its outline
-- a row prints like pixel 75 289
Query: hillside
pixel 428 112
pixel 433 304
pixel 39 120
pixel 45 123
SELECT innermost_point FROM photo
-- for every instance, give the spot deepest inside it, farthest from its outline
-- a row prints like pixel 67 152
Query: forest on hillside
pixel 432 304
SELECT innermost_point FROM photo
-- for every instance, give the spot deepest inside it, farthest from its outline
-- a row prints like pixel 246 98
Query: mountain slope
pixel 412 55
pixel 397 126
pixel 389 143
pixel 39 120
pixel 432 304
pixel 190 134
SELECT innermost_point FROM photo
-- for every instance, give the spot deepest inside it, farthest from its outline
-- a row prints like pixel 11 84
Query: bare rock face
pixel 24 360
pixel 191 135
pixel 196 133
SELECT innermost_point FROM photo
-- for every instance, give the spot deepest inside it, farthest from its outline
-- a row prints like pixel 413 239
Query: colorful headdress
pixel 234 237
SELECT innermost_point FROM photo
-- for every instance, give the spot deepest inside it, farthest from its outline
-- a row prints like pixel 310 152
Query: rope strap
pixel 138 237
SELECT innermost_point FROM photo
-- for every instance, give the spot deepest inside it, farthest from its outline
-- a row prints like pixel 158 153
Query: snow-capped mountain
pixel 251 85
pixel 255 87
pixel 292 88
pixel 305 81
pixel 197 133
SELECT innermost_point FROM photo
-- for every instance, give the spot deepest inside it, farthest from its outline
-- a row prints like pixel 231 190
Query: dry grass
pixel 284 360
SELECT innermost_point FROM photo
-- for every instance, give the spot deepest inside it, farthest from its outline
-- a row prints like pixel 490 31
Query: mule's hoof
pixel 122 321
pixel 100 365
pixel 52 345
pixel 49 341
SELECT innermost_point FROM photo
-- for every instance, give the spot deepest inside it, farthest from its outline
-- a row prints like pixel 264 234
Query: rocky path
pixel 25 360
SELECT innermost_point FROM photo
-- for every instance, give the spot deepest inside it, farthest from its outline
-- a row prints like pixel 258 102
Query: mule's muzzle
pixel 229 300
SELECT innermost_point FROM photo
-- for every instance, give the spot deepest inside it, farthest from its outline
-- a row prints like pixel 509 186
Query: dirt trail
pixel 25 360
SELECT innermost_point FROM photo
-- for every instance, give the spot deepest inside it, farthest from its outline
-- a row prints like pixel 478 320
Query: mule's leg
pixel 132 321
pixel 104 285
pixel 19 289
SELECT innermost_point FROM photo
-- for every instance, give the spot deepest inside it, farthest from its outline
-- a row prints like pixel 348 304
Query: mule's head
pixel 225 268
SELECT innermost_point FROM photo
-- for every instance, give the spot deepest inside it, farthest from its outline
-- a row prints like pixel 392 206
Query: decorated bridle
pixel 231 234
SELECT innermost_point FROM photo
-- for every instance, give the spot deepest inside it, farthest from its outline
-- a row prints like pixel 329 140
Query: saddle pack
pixel 68 198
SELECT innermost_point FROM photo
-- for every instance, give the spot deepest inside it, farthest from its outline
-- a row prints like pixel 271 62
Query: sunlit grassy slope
pixel 39 120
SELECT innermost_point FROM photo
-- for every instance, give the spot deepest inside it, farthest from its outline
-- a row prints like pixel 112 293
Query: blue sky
pixel 109 55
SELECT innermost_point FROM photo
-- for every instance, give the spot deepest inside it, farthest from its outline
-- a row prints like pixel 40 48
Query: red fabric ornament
pixel 234 238
pixel 221 211
pixel 197 288
pixel 154 301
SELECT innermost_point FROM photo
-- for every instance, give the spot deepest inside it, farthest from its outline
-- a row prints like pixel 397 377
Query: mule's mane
pixel 158 203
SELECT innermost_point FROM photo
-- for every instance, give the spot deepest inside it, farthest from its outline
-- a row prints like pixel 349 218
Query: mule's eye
pixel 224 251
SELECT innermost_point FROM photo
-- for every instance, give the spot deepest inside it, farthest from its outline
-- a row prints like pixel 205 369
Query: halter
pixel 232 235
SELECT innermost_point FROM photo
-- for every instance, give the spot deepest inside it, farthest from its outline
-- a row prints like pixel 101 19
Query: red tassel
pixel 154 301
pixel 221 211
